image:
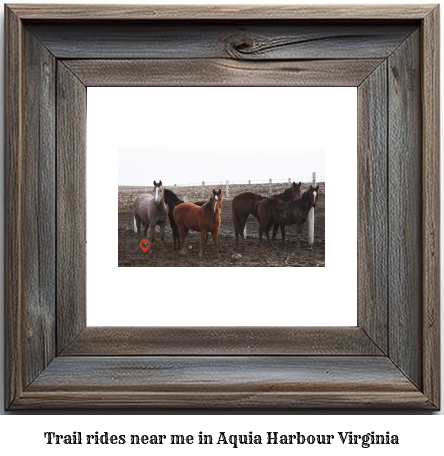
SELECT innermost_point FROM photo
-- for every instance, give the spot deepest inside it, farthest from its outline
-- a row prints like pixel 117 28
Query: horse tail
pixel 236 219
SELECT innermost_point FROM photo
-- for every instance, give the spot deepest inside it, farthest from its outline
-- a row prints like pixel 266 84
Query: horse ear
pixel 220 192
pixel 154 183
pixel 160 183
pixel 317 188
pixel 214 191
pixel 300 184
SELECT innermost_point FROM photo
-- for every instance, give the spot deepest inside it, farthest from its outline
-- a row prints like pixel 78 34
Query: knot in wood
pixel 238 46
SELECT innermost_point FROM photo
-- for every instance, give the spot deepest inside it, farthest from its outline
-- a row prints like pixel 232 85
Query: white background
pixel 301 118
pixel 20 434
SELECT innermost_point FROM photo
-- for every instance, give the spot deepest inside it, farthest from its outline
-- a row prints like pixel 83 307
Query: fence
pixel 202 190
pixel 249 185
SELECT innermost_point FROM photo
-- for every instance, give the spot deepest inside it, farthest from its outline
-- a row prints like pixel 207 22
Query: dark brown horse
pixel 243 205
pixel 205 219
pixel 283 213
pixel 287 195
pixel 172 200
pixel 246 203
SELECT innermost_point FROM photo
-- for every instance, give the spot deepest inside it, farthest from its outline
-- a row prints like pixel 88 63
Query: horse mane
pixel 207 206
pixel 305 196
pixel 287 191
pixel 171 195
pixel 283 194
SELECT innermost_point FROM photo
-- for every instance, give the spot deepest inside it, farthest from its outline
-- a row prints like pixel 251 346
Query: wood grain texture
pixel 372 207
pixel 236 40
pixel 407 378
pixel 127 341
pixel 221 72
pixel 220 12
pixel 13 207
pixel 38 221
pixel 431 206
pixel 405 209
pixel 71 206
pixel 234 382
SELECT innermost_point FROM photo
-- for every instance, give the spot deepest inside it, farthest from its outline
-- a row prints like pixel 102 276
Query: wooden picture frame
pixel 390 360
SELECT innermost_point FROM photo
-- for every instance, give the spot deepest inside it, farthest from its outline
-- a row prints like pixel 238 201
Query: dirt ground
pixel 251 254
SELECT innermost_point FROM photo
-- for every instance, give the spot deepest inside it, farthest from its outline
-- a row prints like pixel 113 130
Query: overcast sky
pixel 186 165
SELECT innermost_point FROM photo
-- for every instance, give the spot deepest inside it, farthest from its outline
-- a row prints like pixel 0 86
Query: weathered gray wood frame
pixel 391 359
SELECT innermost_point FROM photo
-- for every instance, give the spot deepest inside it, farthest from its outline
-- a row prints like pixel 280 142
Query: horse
pixel 289 194
pixel 294 212
pixel 172 200
pixel 152 211
pixel 246 203
pixel 242 206
pixel 206 218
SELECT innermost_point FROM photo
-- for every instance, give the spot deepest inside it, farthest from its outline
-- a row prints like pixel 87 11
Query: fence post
pixel 311 219
pixel 249 185
pixel 175 188
pixel 203 190
pixel 227 190
pixel 289 182
pixel 145 189
pixel 270 187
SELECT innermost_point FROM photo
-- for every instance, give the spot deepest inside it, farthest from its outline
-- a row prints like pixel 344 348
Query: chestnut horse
pixel 283 213
pixel 205 219
pixel 246 203
pixel 172 200
pixel 151 210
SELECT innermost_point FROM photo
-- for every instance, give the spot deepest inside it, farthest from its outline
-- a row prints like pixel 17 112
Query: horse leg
pixel 215 236
pixel 145 230
pixel 261 232
pixel 283 233
pixel 203 241
pixel 162 234
pixel 152 229
pixel 275 230
pixel 268 228
pixel 236 222
pixel 175 235
pixel 183 231
pixel 243 222
pixel 138 221
pixel 298 235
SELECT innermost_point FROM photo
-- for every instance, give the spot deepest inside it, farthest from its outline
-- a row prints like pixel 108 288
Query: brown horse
pixel 283 213
pixel 243 205
pixel 287 195
pixel 205 219
pixel 246 203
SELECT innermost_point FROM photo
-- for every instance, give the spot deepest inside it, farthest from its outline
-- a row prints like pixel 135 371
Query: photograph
pixel 246 220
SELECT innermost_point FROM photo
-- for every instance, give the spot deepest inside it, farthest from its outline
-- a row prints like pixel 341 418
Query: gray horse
pixel 151 210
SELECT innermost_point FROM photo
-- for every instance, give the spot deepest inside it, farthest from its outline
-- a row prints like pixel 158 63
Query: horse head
pixel 216 200
pixel 158 192
pixel 296 190
pixel 314 195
